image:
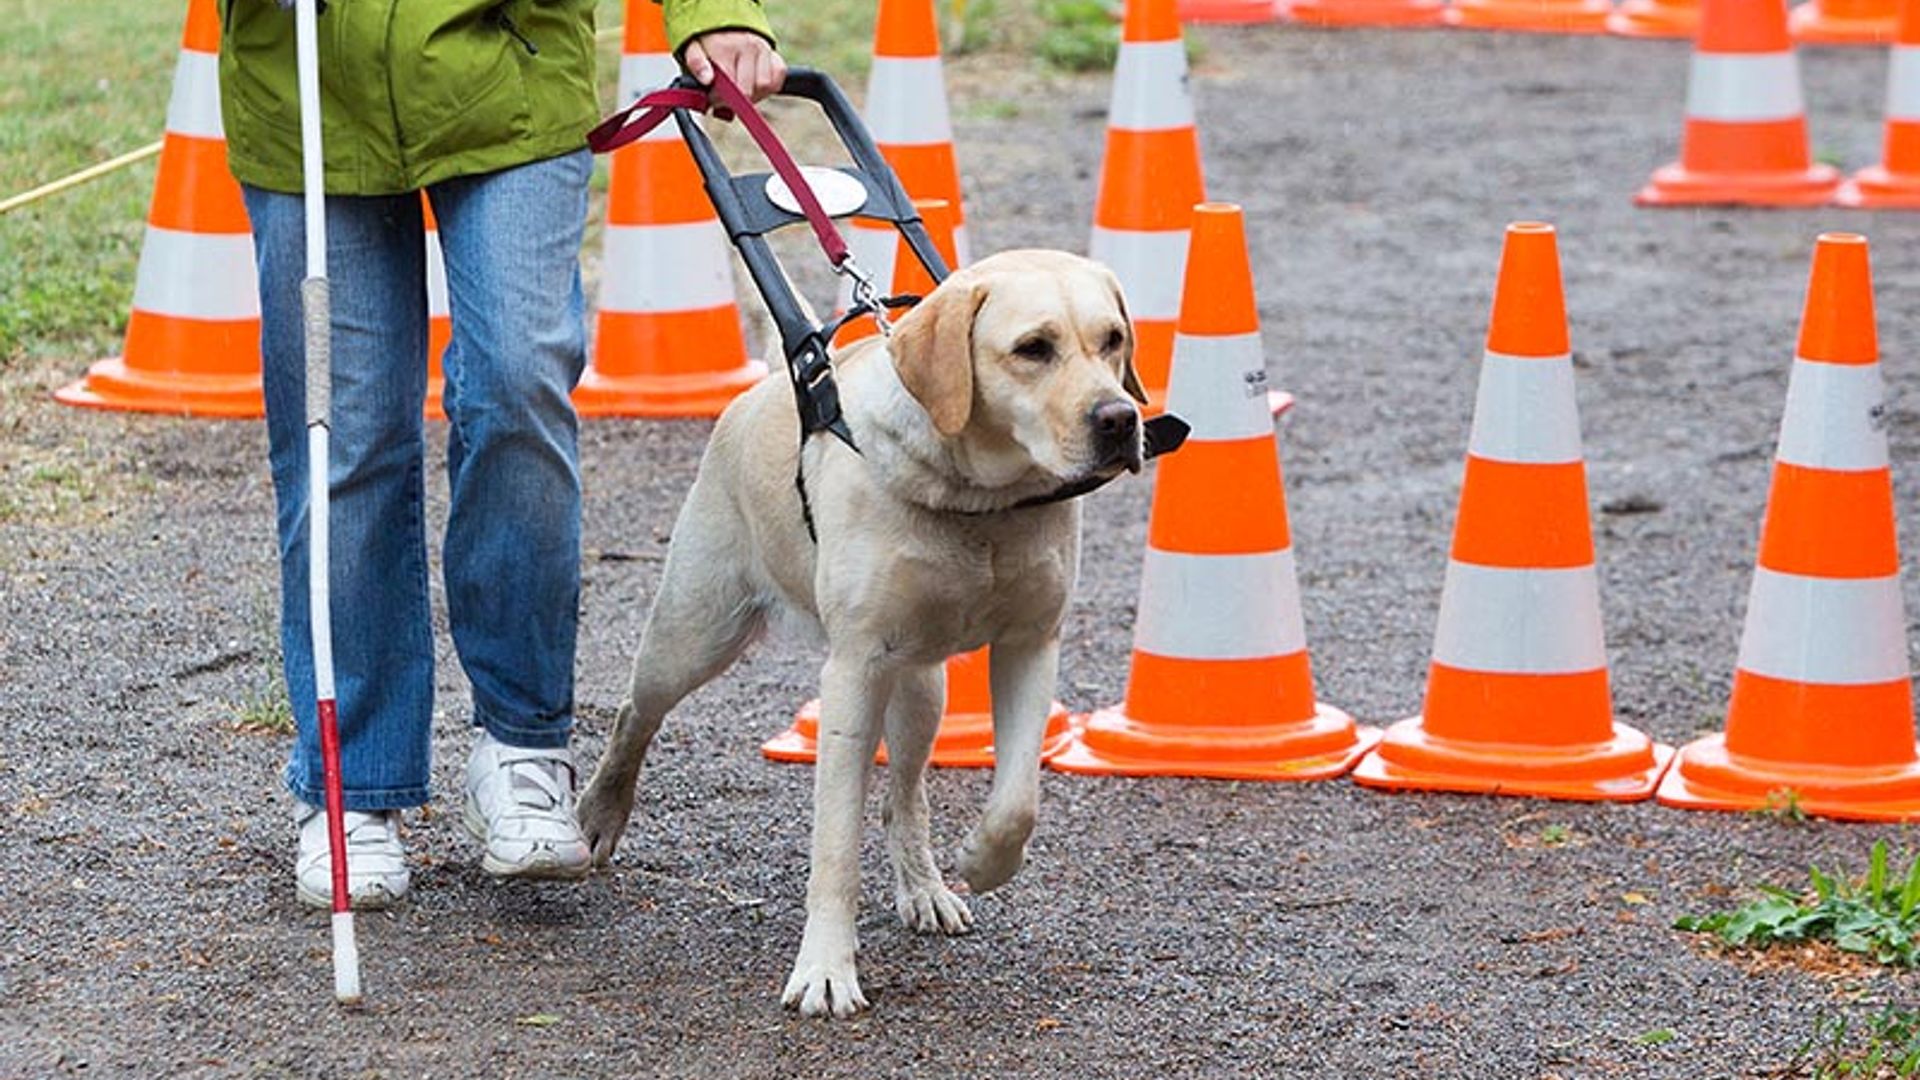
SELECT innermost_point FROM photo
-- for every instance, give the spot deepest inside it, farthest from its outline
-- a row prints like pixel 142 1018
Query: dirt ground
pixel 1163 928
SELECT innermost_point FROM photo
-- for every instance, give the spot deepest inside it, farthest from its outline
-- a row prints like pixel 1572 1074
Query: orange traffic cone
pixel 1844 22
pixel 1746 134
pixel 907 114
pixel 1543 16
pixel 965 738
pixel 1895 182
pixel 909 277
pixel 1822 706
pixel 1347 13
pixel 1655 19
pixel 1220 685
pixel 439 313
pixel 1517 696
pixel 668 339
pixel 193 340
pixel 1228 11
pixel 1149 181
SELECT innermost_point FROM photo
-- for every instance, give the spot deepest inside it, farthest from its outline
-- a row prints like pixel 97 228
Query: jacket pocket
pixel 462 85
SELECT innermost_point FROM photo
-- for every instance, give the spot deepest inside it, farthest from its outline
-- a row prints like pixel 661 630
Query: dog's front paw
pixel 824 984
pixel 988 860
pixel 603 813
pixel 932 908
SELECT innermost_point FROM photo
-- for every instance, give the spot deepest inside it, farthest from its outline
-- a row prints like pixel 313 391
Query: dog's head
pixel 1024 362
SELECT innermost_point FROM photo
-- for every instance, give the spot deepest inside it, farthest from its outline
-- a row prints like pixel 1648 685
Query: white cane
pixel 317 315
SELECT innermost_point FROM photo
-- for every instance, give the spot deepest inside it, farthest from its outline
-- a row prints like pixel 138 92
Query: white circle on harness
pixel 839 194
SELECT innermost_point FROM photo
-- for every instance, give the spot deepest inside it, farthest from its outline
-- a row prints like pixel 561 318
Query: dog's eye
pixel 1115 339
pixel 1034 348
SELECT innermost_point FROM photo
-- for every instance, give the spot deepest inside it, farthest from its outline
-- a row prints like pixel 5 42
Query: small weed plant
pixel 1081 35
pixel 1877 917
pixel 1887 1044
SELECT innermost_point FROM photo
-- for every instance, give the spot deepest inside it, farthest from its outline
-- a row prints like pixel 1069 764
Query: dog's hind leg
pixel 853 700
pixel 923 901
pixel 1022 676
pixel 704 616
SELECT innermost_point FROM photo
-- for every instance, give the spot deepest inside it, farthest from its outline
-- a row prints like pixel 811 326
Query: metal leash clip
pixel 866 295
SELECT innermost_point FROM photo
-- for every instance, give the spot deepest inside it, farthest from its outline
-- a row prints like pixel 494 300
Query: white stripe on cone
pixel 1744 87
pixel 1151 266
pixel 1524 411
pixel 1150 91
pixel 1219 607
pixel 196 275
pixel 907 101
pixel 1520 621
pixel 194 107
pixel 1836 631
pixel 1903 84
pixel 644 72
pixel 1218 384
pixel 666 268
pixel 1833 417
pixel 436 276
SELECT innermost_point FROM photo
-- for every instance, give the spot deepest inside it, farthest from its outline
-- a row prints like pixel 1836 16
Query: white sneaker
pixel 377 872
pixel 520 805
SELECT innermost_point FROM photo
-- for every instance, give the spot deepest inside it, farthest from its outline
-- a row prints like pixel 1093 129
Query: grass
pixel 86 82
pixel 1876 916
pixel 1887 1044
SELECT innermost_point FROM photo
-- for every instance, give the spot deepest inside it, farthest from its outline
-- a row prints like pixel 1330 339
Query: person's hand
pixel 745 56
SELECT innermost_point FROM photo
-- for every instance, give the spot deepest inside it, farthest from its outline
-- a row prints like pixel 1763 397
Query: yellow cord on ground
pixel 92 172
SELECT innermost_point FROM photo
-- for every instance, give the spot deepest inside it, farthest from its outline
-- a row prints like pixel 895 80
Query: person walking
pixel 484 105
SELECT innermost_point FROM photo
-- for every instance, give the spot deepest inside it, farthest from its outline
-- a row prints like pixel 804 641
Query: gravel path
pixel 1164 928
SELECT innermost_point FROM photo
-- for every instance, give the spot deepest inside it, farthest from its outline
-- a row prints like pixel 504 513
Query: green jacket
pixel 418 91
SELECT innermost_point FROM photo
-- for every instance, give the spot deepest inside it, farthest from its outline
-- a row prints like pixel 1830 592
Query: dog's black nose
pixel 1116 423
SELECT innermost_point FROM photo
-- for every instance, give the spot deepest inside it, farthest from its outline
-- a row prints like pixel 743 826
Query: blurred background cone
pixel 1149 182
pixel 1220 684
pixel 1822 706
pixel 1538 16
pixel 1746 128
pixel 1517 696
pixel 965 738
pixel 906 111
pixel 667 337
pixel 1844 22
pixel 193 340
pixel 1228 11
pixel 1655 19
pixel 1894 183
pixel 439 314
pixel 1345 13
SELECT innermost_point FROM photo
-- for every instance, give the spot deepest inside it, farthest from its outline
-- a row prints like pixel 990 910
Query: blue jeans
pixel 512 550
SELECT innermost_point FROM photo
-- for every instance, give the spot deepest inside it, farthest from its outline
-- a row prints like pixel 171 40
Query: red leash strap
pixel 652 109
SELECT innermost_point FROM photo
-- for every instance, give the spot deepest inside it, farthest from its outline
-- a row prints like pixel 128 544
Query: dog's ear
pixel 932 349
pixel 1129 378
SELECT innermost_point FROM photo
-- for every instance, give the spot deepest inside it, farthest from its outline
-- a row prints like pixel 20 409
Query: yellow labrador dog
pixel 1012 380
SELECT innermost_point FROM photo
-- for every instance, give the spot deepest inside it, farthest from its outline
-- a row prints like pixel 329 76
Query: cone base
pixel 1809 25
pixel 111 384
pixel 1109 743
pixel 964 741
pixel 1874 188
pixel 1583 17
pixel 1346 13
pixel 1626 768
pixel 1642 19
pixel 1674 185
pixel 699 396
pixel 1705 776
pixel 1227 11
